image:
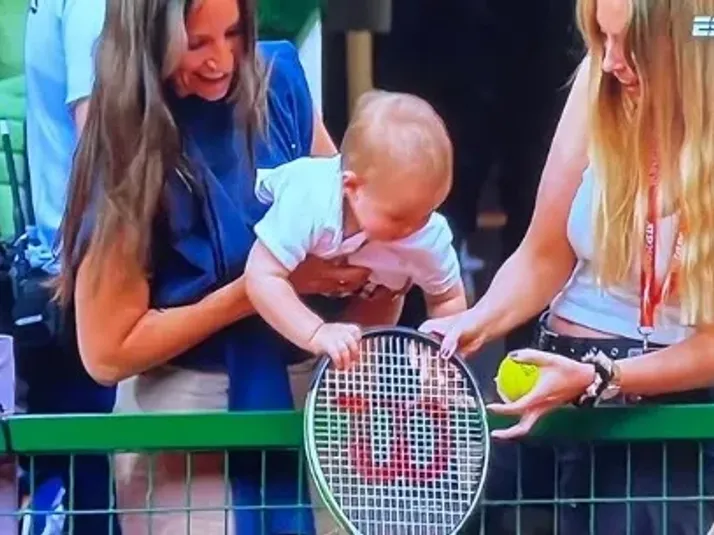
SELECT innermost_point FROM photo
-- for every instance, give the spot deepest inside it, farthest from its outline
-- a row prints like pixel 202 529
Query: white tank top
pixel 615 310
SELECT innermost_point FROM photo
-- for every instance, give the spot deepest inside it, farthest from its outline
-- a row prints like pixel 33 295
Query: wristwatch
pixel 606 384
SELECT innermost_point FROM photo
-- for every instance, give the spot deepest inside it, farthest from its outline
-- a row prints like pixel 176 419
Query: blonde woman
pixel 621 249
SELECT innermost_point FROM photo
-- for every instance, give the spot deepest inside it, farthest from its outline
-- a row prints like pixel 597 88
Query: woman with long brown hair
pixel 157 229
pixel 621 250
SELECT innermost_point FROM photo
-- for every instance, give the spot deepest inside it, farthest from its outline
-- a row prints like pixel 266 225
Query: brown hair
pixel 130 141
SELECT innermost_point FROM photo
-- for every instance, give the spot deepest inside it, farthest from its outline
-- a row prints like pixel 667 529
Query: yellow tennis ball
pixel 515 379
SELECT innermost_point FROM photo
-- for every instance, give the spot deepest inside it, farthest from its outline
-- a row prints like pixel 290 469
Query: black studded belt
pixel 575 347
pixel 615 348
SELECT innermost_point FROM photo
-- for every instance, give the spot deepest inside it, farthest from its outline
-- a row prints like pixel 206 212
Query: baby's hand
pixel 338 340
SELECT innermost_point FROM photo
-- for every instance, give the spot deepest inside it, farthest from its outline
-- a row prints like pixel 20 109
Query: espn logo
pixel 703 26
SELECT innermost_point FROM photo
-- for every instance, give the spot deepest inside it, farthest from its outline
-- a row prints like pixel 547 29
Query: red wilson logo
pixel 400 466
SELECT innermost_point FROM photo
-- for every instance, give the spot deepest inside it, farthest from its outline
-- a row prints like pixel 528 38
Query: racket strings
pixel 400 439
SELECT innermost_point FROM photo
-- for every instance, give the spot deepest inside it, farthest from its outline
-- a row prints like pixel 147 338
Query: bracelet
pixel 312 336
pixel 603 386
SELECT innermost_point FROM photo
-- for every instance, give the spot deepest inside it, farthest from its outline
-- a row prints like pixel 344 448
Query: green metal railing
pixel 193 511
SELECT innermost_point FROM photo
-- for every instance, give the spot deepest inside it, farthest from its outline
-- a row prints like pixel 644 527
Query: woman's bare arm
pixel 687 365
pixel 120 335
pixel 322 144
pixel 540 267
pixel 682 367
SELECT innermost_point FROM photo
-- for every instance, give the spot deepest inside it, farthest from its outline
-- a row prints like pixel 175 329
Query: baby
pixel 374 206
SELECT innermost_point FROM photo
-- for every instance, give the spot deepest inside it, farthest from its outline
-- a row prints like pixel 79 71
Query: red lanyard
pixel 651 293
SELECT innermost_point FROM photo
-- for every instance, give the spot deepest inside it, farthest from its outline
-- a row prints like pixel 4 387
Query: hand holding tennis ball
pixel 515 379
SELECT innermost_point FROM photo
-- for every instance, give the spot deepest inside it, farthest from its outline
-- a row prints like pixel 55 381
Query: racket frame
pixel 309 439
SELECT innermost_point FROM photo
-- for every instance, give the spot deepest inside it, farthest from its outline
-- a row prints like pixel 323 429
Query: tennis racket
pixel 398 444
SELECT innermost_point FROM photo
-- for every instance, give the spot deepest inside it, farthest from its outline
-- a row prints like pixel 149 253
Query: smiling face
pixel 214 48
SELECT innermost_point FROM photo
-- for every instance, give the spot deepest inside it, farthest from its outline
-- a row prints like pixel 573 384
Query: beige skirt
pixel 158 482
pixel 156 485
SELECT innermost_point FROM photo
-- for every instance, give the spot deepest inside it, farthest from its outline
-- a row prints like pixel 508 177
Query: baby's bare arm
pixel 452 301
pixel 275 299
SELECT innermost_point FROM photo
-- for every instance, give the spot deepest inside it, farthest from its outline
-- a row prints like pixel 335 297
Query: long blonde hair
pixel 672 120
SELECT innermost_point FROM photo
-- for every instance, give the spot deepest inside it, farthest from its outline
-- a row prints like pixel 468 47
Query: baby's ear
pixel 351 181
